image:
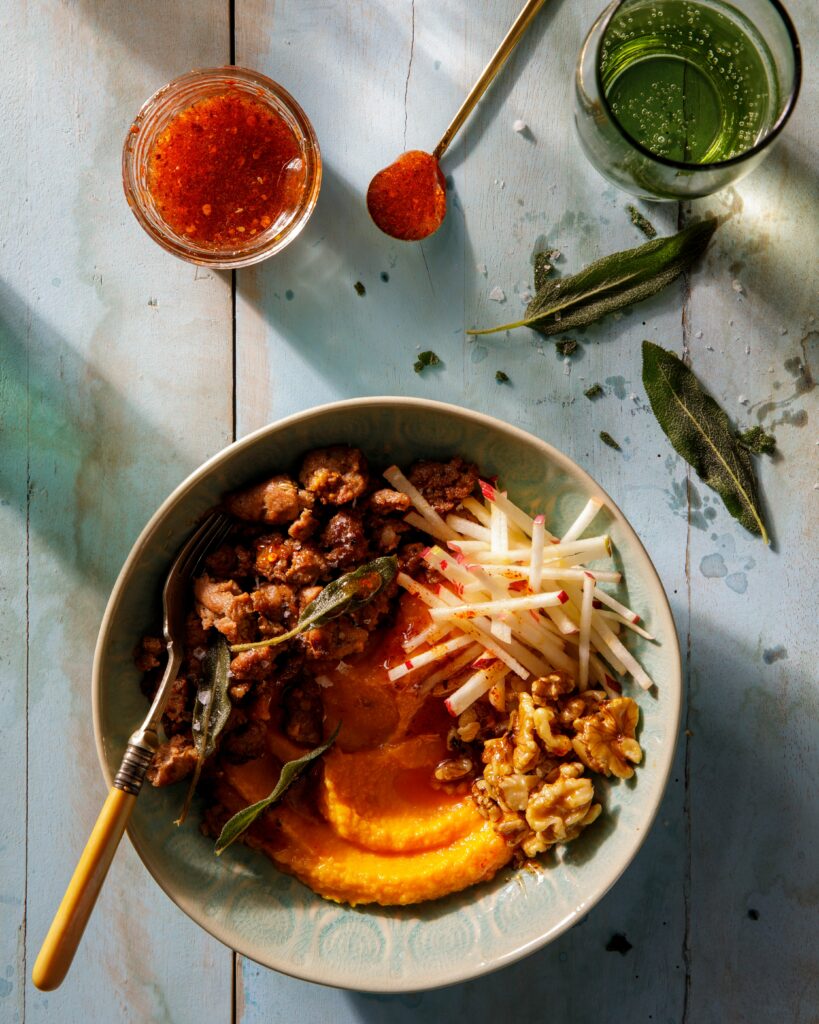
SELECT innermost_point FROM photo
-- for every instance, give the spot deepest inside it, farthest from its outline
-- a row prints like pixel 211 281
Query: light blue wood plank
pixel 293 354
pixel 754 698
pixel 14 421
pixel 123 357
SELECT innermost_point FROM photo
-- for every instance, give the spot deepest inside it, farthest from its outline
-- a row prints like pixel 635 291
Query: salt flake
pixel 737 286
pixel 497 295
pixel 742 399
pixel 519 126
pixel 481 268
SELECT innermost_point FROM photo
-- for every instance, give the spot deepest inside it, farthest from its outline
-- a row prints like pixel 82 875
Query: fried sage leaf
pixel 757 441
pixel 211 711
pixel 699 430
pixel 346 594
pixel 612 282
pixel 291 770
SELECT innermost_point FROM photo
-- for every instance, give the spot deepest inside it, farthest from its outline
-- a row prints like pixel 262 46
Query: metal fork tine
pixel 214 527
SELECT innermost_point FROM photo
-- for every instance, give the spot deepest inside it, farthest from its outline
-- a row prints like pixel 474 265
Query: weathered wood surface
pixel 116 380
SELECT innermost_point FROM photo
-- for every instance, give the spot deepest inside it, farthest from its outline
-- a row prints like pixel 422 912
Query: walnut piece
pixel 558 811
pixel 527 750
pixel 605 740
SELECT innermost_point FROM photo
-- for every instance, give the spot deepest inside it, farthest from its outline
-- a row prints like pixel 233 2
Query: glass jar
pixel 703 38
pixel 245 246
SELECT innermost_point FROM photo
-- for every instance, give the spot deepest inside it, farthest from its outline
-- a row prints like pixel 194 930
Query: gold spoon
pixel 407 200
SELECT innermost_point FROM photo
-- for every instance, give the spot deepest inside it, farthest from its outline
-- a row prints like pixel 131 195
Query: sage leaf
pixel 544 265
pixel 211 711
pixel 291 770
pixel 757 441
pixel 612 282
pixel 425 359
pixel 346 594
pixel 699 430
pixel 641 222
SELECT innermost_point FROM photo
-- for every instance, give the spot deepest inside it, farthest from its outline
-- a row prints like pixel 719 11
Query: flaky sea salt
pixel 519 126
pixel 481 268
pixel 737 286
pixel 698 334
pixel 497 295
pixel 742 399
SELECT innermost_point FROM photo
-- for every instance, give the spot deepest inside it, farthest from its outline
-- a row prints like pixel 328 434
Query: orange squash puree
pixel 224 169
pixel 372 827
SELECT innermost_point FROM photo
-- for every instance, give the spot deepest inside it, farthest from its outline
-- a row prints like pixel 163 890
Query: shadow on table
pixel 344 284
pixel 772 267
pixel 533 46
pixel 709 890
pixel 68 462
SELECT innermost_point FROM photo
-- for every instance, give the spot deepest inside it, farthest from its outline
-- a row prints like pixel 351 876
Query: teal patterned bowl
pixel 241 898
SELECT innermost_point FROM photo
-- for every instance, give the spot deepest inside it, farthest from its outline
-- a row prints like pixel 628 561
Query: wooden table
pixel 123 368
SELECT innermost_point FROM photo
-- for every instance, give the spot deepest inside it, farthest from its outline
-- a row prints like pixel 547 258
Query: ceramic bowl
pixel 241 898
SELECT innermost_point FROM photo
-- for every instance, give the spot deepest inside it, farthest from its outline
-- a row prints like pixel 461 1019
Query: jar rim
pixel 157 111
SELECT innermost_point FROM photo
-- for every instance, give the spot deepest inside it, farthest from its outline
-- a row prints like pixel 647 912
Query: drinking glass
pixel 678 98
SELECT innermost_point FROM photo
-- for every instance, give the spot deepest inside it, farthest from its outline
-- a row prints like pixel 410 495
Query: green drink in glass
pixel 677 98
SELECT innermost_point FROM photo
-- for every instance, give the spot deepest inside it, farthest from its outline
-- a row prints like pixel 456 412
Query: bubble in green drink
pixel 692 82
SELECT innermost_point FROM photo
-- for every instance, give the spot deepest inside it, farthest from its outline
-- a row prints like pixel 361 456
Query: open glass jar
pixel 680 98
pixel 222 167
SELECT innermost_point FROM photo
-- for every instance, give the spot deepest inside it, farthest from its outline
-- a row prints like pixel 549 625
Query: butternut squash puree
pixel 376 831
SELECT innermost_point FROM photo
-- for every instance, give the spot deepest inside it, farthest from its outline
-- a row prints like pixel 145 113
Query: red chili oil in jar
pixel 226 169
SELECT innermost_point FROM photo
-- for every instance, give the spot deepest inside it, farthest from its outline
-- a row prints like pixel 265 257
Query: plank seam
pixel 683 210
pixel 24 922
pixel 234 957
pixel 409 72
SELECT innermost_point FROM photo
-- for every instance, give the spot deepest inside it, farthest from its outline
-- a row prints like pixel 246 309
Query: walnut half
pixel 605 740
pixel 557 811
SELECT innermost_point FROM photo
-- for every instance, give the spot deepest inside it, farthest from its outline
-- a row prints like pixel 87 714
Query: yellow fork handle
pixel 69 922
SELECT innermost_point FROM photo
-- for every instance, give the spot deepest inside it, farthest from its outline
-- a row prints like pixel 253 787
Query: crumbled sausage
pixel 254 664
pixel 173 761
pixel 444 484
pixel 285 560
pixel 226 606
pixel 410 558
pixel 303 713
pixel 275 501
pixel 334 640
pixel 336 475
pixel 230 560
pixel 276 602
pixel 386 501
pixel 245 743
pixel 179 709
pixel 387 534
pixel 149 653
pixel 344 541
pixel 305 526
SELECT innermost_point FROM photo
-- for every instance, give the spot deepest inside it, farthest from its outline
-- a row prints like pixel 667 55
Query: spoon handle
pixel 510 41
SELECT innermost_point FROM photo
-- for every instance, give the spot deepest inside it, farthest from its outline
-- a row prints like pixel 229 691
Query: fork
pixel 69 922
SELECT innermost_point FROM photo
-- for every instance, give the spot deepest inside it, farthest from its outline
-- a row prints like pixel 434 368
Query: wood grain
pixel 115 381
pixel 110 353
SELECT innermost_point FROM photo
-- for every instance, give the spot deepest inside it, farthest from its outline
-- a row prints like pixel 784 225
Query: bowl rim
pixel 674 681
